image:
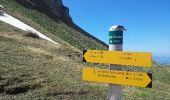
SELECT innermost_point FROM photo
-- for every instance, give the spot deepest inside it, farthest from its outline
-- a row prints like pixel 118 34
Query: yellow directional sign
pixel 118 57
pixel 118 77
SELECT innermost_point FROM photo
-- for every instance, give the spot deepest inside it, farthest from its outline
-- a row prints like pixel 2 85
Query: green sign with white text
pixel 116 37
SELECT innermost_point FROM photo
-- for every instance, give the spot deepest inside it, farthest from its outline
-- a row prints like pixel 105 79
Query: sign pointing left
pixel 118 57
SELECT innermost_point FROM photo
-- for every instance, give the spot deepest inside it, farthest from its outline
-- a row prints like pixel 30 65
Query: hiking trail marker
pixel 118 57
pixel 115 77
pixel 118 77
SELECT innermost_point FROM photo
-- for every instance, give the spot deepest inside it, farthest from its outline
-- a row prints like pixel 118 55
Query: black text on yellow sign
pixel 118 77
pixel 118 57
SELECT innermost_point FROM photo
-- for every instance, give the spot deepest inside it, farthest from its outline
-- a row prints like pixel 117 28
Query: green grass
pixel 37 69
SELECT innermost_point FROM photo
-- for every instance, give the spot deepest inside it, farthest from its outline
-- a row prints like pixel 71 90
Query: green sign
pixel 116 37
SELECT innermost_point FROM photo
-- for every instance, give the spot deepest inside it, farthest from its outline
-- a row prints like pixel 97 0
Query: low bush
pixel 32 35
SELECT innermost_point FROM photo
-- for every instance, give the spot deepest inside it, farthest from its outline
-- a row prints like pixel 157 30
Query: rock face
pixel 53 8
pixel 59 10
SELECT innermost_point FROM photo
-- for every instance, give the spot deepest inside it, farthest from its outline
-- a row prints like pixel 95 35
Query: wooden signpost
pixel 115 77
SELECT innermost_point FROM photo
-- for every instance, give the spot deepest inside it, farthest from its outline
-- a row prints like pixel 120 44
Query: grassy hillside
pixel 35 68
pixel 45 24
pixel 32 68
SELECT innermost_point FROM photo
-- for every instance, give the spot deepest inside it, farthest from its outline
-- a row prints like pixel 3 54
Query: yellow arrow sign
pixel 118 57
pixel 118 77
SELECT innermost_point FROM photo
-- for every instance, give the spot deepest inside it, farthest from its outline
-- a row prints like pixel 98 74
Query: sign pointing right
pixel 118 77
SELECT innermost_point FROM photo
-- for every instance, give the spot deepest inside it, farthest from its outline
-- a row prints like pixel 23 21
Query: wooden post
pixel 115 44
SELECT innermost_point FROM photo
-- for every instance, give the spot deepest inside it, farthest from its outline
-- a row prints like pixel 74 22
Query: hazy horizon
pixel 162 59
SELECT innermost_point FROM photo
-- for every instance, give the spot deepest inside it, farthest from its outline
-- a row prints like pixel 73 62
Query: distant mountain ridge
pixel 53 8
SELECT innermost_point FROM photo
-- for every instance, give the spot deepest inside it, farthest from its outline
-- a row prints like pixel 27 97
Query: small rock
pixel 1 13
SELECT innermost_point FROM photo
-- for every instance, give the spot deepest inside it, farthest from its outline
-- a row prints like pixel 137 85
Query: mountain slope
pixel 42 22
pixel 55 10
pixel 32 68
pixel 35 68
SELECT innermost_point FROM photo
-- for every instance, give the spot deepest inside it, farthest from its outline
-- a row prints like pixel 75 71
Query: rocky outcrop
pixel 53 8
pixel 59 10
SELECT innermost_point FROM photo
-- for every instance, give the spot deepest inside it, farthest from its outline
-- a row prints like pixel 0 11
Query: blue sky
pixel 147 22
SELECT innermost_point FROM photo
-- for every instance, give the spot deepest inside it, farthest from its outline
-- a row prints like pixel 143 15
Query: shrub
pixel 32 35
